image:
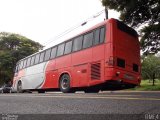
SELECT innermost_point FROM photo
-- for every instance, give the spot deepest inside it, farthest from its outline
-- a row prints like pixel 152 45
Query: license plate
pixel 129 77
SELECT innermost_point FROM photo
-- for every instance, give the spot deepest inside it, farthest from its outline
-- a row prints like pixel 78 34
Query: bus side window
pixel 102 35
pixel 16 69
pixel 96 36
pixel 18 66
pixel 77 45
pixel 24 64
pixel 47 55
pixel 21 64
pixel 68 47
pixel 42 57
pixel 28 61
pixel 88 38
pixel 32 60
pixel 37 58
pixel 53 52
pixel 60 50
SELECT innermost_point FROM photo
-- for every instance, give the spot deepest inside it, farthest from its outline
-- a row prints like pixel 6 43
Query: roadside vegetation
pixel 14 47
pixel 146 85
pixel 150 74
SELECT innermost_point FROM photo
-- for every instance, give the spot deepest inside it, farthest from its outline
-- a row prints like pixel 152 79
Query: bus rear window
pixel 121 26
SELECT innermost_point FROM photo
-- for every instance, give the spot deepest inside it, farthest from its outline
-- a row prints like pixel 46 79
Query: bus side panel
pixel 98 53
pixel 51 75
pixel 54 69
pixel 51 79
pixel 80 71
pixel 34 76
pixel 97 60
pixel 63 62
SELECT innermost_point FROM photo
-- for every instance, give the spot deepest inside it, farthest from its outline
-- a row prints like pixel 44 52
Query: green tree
pixel 14 47
pixel 140 13
pixel 151 68
pixel 5 67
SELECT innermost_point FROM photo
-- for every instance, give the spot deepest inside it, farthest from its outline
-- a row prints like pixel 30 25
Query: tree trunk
pixel 153 79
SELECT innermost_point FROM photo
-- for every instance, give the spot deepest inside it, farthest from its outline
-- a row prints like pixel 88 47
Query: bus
pixel 107 54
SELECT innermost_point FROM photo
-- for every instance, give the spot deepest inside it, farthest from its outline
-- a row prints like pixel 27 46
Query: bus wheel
pixel 19 87
pixel 65 84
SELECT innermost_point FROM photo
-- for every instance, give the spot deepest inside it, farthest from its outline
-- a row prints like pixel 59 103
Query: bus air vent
pixel 95 71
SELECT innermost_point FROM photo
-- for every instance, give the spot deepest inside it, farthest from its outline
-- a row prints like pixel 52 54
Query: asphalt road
pixel 146 104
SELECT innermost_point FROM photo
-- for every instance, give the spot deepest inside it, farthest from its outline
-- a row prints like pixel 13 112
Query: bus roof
pixel 92 28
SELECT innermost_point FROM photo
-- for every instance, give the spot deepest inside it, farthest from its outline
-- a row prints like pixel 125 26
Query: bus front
pixel 125 55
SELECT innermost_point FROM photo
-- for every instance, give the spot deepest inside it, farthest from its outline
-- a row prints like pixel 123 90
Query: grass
pixel 147 86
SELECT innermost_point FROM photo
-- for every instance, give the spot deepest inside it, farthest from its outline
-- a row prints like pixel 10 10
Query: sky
pixel 43 20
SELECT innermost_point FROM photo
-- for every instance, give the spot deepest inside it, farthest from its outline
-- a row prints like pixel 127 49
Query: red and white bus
pixel 107 53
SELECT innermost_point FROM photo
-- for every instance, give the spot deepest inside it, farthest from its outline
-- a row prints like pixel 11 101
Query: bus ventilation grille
pixel 95 71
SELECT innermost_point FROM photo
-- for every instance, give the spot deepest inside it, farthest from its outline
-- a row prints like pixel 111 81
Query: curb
pixel 123 91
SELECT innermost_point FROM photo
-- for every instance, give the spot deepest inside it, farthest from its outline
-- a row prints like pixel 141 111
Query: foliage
pixel 147 86
pixel 144 14
pixel 151 67
pixel 14 47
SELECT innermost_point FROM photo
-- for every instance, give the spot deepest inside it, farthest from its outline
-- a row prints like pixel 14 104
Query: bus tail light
pixel 118 73
pixel 111 61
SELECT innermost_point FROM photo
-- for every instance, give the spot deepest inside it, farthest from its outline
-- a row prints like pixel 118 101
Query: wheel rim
pixel 19 88
pixel 64 83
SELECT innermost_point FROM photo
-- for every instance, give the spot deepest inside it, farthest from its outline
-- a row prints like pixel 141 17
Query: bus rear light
pixel 120 80
pixel 111 61
pixel 118 73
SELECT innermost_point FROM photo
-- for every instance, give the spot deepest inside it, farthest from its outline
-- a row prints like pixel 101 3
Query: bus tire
pixel 19 87
pixel 64 84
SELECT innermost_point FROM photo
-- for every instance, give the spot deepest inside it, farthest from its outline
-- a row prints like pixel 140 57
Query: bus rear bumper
pixel 113 85
pixel 123 76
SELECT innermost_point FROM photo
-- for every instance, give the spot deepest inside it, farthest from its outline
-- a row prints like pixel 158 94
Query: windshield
pixel 121 26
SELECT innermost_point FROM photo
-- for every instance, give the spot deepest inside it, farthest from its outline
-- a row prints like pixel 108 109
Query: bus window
pixel 32 60
pixel 53 52
pixel 16 69
pixel 24 64
pixel 42 57
pixel 88 38
pixel 123 27
pixel 28 61
pixel 47 55
pixel 60 49
pixel 102 35
pixel 21 64
pixel 96 36
pixel 77 45
pixel 36 59
pixel 68 47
